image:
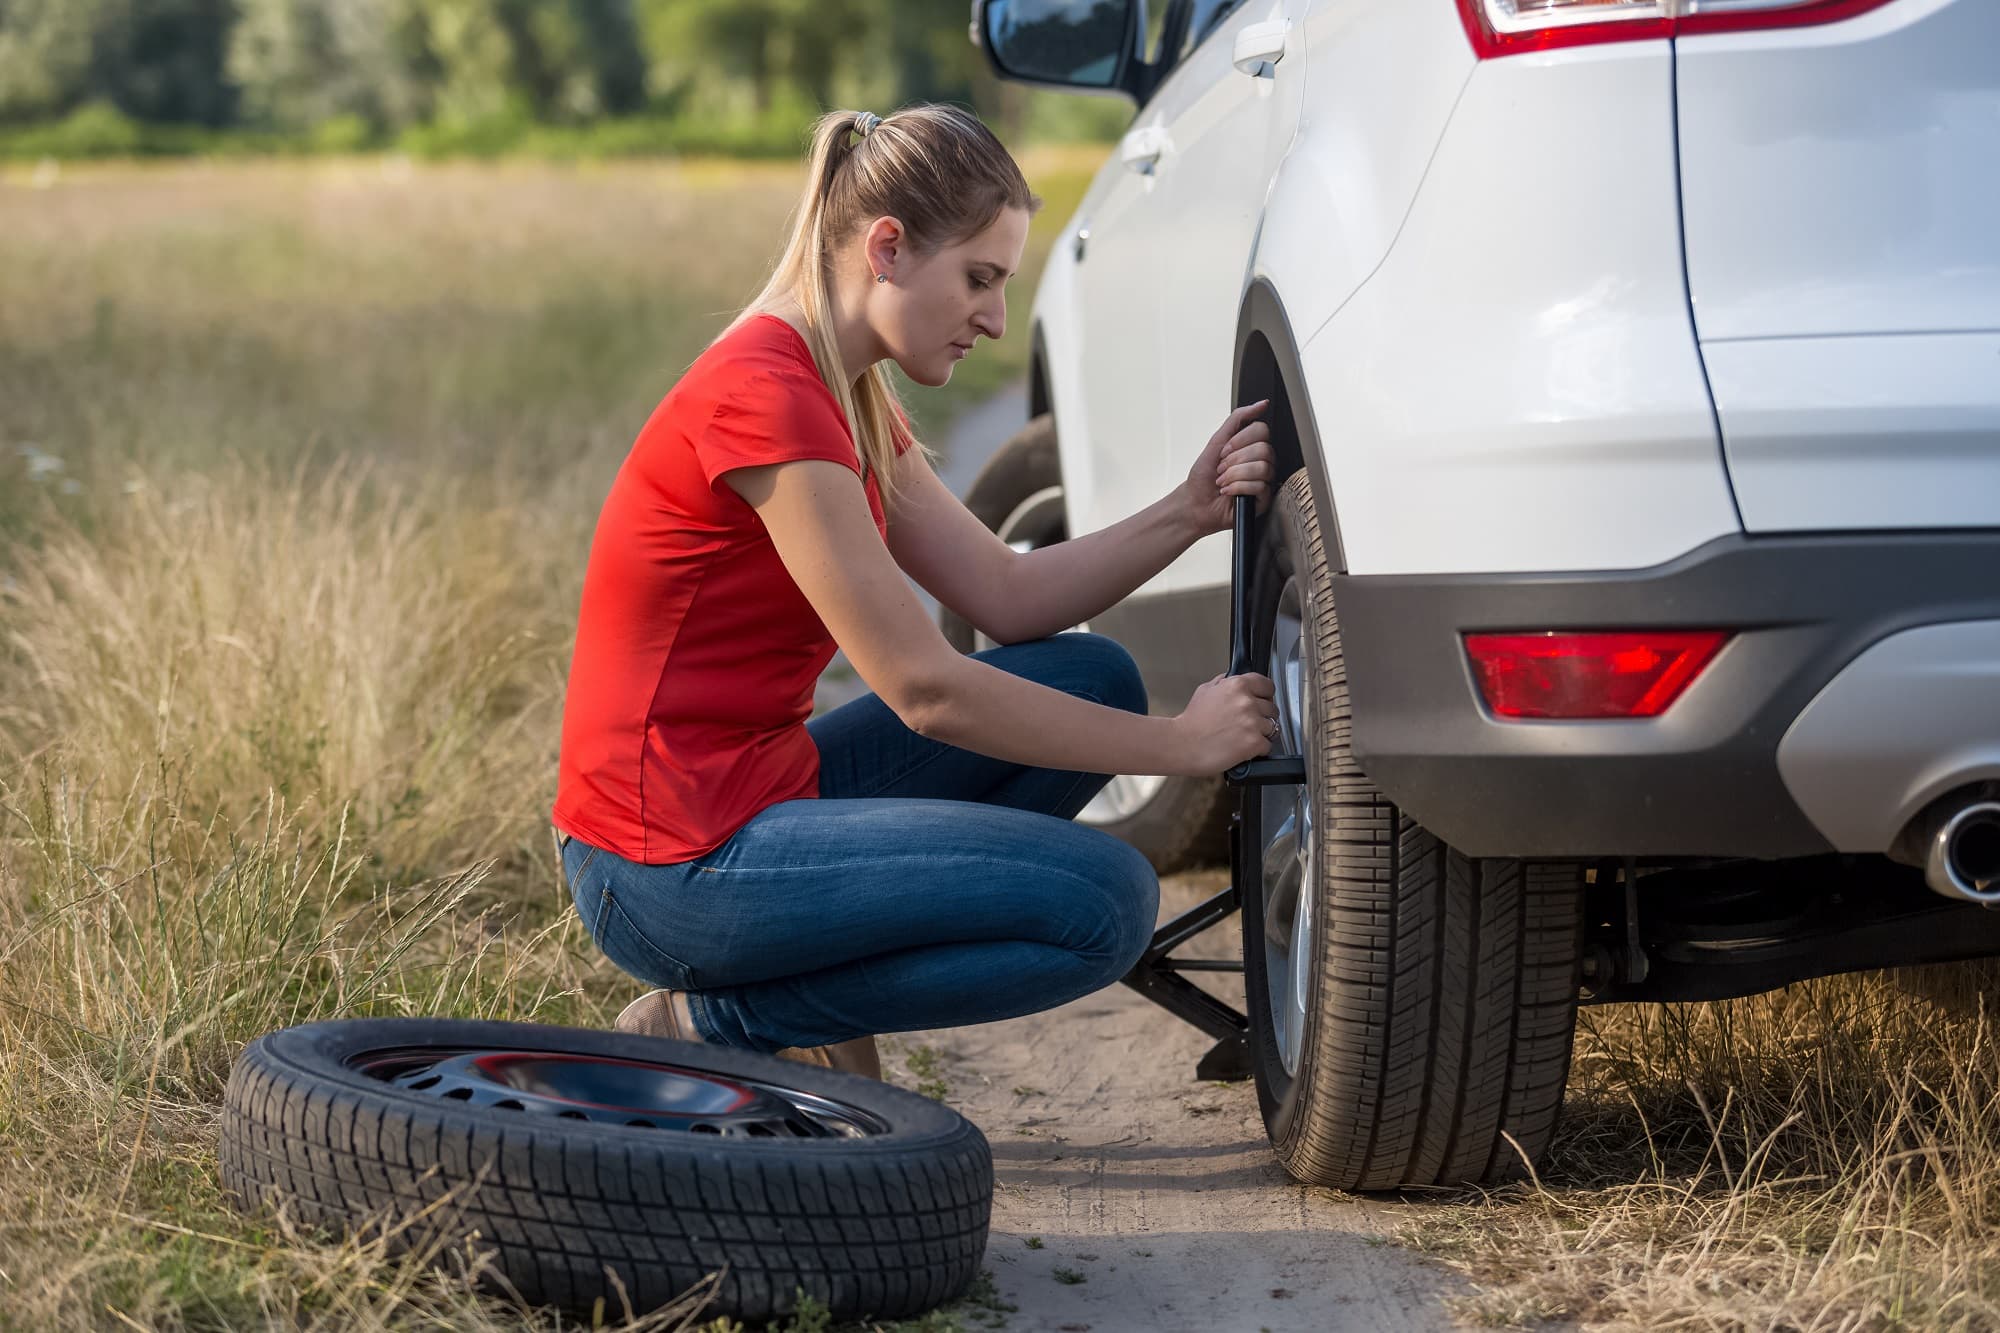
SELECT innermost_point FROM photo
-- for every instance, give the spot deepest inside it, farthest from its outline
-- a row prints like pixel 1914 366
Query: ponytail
pixel 939 171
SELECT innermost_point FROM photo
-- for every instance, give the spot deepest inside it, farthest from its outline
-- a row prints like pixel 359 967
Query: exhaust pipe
pixel 1962 853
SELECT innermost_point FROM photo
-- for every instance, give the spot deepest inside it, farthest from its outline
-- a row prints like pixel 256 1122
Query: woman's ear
pixel 883 245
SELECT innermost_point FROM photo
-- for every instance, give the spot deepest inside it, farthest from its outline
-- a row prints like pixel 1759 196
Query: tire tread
pixel 871 1233
pixel 1446 986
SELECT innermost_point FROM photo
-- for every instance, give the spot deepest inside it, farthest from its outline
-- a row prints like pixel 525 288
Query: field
pixel 298 468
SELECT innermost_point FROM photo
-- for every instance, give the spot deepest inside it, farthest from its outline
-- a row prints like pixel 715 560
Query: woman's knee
pixel 1113 674
pixel 1077 662
pixel 1139 910
pixel 1120 910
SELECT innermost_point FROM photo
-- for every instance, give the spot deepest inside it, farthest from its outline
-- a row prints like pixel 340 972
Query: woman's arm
pixel 1015 597
pixel 818 519
pixel 1057 586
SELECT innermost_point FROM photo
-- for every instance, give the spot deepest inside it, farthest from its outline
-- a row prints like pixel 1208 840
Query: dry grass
pixel 298 467
pixel 1825 1157
pixel 298 470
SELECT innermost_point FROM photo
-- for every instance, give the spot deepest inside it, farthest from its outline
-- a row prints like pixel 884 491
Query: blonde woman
pixel 909 860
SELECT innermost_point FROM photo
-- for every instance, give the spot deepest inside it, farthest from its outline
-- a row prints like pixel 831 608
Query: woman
pixel 906 861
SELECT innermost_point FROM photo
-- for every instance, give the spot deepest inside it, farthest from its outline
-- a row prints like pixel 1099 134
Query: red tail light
pixel 1589 675
pixel 1508 27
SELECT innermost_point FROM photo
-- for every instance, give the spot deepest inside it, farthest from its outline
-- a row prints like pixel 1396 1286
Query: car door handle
pixel 1140 150
pixel 1260 47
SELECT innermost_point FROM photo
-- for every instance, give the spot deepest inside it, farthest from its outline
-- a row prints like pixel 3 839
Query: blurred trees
pixel 153 59
pixel 367 70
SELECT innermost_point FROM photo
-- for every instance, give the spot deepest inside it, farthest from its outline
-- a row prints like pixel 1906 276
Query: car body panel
pixel 1888 431
pixel 1899 727
pixel 1386 74
pixel 1841 185
pixel 1227 131
pixel 1114 394
pixel 1511 375
pixel 1521 369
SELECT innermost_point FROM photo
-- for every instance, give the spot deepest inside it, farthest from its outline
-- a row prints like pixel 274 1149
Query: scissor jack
pixel 1158 975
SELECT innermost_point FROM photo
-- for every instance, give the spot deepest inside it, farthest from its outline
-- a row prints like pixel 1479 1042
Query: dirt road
pixel 1131 1196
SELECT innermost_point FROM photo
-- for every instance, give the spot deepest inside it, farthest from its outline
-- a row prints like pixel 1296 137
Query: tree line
pixel 355 73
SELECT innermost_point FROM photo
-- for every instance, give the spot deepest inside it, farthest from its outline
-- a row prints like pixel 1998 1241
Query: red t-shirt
pixel 696 653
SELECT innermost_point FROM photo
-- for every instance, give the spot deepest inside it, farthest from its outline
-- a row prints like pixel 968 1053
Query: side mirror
pixel 1085 45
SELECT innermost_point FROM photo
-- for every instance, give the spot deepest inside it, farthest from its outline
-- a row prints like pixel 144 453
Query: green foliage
pixel 45 54
pixel 163 61
pixel 96 129
pixel 558 78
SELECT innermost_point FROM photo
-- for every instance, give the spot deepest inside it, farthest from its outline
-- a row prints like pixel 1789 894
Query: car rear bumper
pixel 1704 778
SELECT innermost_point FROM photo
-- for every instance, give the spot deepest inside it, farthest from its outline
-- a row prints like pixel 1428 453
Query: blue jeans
pixel 927 887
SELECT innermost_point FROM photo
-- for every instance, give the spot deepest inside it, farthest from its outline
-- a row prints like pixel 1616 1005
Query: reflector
pixel 1595 674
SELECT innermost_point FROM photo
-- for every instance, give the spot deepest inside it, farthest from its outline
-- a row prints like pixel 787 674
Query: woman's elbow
pixel 923 700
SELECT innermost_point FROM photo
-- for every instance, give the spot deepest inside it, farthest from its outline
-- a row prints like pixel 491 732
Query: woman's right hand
pixel 1227 722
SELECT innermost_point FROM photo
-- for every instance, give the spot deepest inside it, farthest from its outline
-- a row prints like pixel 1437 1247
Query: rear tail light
pixel 1505 27
pixel 1624 674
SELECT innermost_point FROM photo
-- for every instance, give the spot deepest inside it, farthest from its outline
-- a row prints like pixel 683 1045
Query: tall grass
pixel 270 743
pixel 1822 1157
pixel 348 646
pixel 298 471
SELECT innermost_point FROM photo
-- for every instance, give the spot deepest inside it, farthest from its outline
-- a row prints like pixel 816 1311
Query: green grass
pixel 99 130
pixel 928 1065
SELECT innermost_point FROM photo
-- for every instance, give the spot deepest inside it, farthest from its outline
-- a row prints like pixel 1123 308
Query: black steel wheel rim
pixel 615 1090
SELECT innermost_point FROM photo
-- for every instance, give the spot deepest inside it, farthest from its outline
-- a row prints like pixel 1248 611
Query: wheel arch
pixel 1039 398
pixel 1267 366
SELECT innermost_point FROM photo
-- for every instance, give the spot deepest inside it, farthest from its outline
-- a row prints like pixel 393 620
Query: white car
pixel 1634 590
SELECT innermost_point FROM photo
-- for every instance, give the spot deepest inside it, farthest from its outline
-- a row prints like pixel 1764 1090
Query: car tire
pixel 577 1200
pixel 1411 1009
pixel 1178 823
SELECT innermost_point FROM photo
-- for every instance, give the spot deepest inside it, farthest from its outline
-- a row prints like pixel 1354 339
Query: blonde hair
pixel 937 170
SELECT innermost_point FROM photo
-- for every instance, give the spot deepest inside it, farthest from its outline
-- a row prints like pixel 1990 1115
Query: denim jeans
pixel 927 887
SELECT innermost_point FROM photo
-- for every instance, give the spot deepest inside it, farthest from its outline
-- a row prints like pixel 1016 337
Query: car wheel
pixel 1411 1009
pixel 595 1165
pixel 1178 823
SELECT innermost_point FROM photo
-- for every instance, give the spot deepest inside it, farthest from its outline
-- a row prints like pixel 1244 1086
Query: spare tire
pixel 577 1157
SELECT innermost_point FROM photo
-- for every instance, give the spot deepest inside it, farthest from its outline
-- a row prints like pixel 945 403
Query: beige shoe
pixel 664 1013
pixel 856 1056
pixel 660 1013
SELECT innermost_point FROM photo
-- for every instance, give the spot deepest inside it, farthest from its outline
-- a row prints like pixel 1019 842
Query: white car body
pixel 1595 317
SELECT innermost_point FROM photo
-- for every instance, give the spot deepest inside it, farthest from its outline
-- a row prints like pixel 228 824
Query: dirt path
pixel 1155 1198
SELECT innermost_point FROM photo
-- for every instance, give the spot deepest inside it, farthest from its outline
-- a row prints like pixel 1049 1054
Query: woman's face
pixel 934 307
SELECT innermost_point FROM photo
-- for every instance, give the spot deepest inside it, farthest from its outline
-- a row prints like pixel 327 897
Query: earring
pixel 881 277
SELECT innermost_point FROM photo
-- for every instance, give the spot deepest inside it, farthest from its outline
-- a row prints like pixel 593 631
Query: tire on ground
pixel 1443 989
pixel 1186 824
pixel 885 1226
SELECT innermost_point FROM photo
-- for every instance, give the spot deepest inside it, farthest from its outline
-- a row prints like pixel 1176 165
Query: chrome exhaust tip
pixel 1962 854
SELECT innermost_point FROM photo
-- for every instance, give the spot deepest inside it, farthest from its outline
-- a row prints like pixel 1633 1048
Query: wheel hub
pixel 640 1093
pixel 1287 843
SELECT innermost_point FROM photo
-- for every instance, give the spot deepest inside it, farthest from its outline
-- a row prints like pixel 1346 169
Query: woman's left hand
pixel 1238 460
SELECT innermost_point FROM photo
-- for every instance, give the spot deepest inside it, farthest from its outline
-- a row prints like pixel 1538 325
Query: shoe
pixel 856 1056
pixel 659 1013
pixel 664 1013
